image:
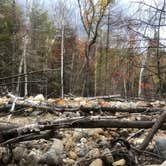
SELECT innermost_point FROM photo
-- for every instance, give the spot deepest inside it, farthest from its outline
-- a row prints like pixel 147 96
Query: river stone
pixel 72 155
pixel 164 163
pixel 33 157
pixel 6 156
pixel 82 152
pixel 97 162
pixel 2 149
pixel 19 152
pixel 53 155
pixel 39 97
pixel 103 143
pixel 94 153
pixel 121 162
pixel 68 161
pixel 161 147
pixel 83 140
pixel 108 156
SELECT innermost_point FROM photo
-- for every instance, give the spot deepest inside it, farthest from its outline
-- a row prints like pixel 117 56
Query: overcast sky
pixel 124 4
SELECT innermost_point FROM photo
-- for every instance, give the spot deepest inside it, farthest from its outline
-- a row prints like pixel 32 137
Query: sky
pixel 125 5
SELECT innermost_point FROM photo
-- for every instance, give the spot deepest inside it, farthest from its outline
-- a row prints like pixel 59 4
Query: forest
pixel 82 82
pixel 82 48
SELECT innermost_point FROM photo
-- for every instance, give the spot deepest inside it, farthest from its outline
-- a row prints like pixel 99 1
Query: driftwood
pixel 84 108
pixel 13 133
pixel 154 129
pixel 74 106
pixel 80 122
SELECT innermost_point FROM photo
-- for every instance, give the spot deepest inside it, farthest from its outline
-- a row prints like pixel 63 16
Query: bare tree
pixel 91 13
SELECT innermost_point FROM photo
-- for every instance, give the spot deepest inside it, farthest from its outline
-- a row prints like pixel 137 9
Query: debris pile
pixel 98 131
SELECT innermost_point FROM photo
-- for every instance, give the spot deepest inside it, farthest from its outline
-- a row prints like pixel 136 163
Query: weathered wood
pixel 84 108
pixel 154 129
pixel 81 122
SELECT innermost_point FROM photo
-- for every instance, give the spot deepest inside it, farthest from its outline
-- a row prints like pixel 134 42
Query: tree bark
pixel 81 122
pixel 141 75
pixel 160 89
pixel 106 53
pixel 25 65
pixel 62 58
pixel 154 129
pixel 19 72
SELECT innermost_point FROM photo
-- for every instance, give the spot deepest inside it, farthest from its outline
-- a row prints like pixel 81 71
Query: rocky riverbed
pixel 82 147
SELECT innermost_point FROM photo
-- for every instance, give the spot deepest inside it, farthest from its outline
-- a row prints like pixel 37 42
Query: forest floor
pixel 78 146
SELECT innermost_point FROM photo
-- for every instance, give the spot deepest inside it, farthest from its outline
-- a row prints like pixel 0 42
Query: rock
pixel 2 149
pixel 98 130
pixel 103 143
pixel 36 113
pixel 72 155
pixel 69 144
pixel 164 163
pixel 69 115
pixel 161 147
pixel 82 152
pixel 19 152
pixel 108 156
pixel 94 153
pixel 97 162
pixel 39 97
pixel 6 156
pixel 77 134
pixel 153 165
pixel 53 155
pixel 138 141
pixel 83 140
pixel 124 133
pixel 68 161
pixel 57 145
pixel 121 162
pixel 34 157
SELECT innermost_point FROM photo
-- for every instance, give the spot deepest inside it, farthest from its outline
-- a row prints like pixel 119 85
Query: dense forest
pixel 83 48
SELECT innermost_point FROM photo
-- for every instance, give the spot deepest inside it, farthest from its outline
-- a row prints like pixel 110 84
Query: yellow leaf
pixel 103 3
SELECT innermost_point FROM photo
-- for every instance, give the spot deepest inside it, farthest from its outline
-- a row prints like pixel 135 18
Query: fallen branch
pixel 154 129
pixel 80 122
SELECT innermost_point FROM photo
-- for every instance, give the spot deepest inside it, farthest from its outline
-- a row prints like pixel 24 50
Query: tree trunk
pixel 62 64
pixel 19 72
pixel 87 72
pixel 95 81
pixel 106 54
pixel 25 65
pixel 141 75
pixel 72 72
pixel 100 64
pixel 13 40
pixel 160 89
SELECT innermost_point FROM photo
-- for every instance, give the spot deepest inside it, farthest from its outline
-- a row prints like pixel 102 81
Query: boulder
pixel 94 153
pixel 121 162
pixel 161 147
pixel 97 162
pixel 53 155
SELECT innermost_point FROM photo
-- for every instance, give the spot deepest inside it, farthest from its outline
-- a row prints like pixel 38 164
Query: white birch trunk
pixel 141 74
pixel 25 66
pixel 19 72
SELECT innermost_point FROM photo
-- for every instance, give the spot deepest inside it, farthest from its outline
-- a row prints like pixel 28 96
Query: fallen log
pixel 81 104
pixel 154 129
pixel 80 122
pixel 84 108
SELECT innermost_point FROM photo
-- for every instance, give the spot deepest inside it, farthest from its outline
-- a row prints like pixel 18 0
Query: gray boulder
pixel 161 147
